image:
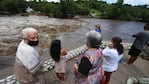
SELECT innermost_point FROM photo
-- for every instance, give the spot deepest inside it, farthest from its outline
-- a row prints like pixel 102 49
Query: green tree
pixel 13 6
pixel 66 9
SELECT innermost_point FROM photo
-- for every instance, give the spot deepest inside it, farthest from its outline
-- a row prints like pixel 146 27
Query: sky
pixel 132 2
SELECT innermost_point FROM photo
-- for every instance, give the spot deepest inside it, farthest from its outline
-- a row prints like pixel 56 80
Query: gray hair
pixel 93 38
pixel 26 31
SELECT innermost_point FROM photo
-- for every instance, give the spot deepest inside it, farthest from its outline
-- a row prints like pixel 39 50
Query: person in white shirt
pixel 112 54
pixel 27 63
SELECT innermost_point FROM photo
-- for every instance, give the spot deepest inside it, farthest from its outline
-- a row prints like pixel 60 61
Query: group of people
pixel 94 66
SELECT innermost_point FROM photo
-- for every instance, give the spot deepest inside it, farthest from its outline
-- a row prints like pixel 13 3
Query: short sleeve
pixel 84 66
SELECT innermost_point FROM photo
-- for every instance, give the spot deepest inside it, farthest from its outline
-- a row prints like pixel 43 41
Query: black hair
pixel 55 50
pixel 117 44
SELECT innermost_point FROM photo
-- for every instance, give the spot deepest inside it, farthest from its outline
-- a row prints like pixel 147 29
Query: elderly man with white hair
pixel 27 63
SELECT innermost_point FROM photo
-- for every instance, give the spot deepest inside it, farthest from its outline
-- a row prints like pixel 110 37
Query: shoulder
pixel 146 32
pixel 23 47
pixel 143 32
pixel 89 52
pixel 109 51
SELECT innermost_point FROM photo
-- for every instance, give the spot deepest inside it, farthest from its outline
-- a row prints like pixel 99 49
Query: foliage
pixel 13 6
pixel 67 9
pixel 96 12
pixel 70 8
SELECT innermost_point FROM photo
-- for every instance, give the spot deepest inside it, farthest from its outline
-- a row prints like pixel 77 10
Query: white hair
pixel 26 31
pixel 93 38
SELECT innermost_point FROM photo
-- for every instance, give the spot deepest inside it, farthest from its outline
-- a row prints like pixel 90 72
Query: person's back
pixel 112 54
pixel 142 39
pixel 60 67
pixel 111 59
pixel 58 55
pixel 95 58
pixel 88 68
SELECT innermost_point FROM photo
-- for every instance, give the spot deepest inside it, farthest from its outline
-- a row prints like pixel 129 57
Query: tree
pixel 66 9
pixel 119 2
pixel 13 6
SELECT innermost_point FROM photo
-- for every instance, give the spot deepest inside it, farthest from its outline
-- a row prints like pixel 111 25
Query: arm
pixel 84 66
pixel 76 67
pixel 63 52
pixel 136 35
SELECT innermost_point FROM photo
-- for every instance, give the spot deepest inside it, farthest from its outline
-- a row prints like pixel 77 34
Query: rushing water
pixel 109 28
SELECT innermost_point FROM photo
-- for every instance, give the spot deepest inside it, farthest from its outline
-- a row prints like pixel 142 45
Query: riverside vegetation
pixel 71 8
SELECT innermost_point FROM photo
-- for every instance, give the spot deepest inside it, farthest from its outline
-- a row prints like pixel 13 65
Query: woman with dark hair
pixel 113 53
pixel 88 68
pixel 58 55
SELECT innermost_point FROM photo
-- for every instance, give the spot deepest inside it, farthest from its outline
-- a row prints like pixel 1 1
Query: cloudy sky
pixel 132 2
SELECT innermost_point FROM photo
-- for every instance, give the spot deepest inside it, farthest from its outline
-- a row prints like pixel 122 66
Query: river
pixel 109 28
pixel 10 28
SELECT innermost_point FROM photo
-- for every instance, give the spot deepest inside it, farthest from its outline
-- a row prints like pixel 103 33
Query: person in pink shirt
pixel 88 68
pixel 58 55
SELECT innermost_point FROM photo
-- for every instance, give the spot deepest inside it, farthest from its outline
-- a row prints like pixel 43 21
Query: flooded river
pixel 109 28
pixel 70 31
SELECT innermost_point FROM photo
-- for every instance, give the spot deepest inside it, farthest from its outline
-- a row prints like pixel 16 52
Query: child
pixel 58 55
pixel 98 28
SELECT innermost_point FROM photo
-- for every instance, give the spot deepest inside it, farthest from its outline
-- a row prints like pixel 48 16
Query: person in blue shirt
pixel 97 26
